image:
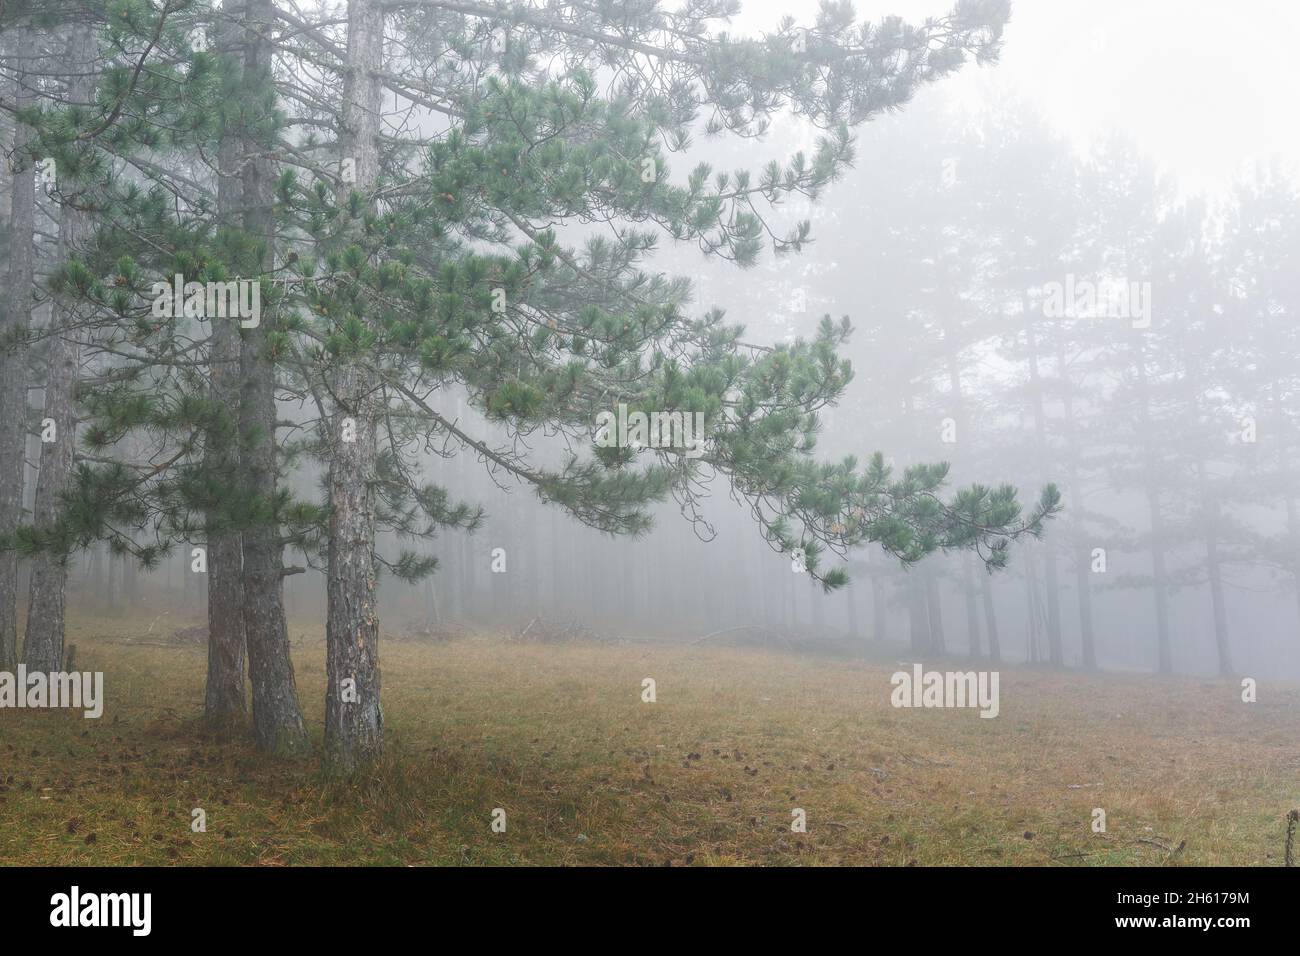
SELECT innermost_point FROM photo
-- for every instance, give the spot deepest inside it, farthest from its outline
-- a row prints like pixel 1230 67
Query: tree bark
pixel 43 648
pixel 353 717
pixel 354 722
pixel 223 700
pixel 277 719
pixel 13 363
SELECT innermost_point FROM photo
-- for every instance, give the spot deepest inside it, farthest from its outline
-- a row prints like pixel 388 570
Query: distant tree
pixel 1254 318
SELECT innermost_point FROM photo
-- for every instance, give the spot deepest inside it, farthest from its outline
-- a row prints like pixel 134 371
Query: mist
pixel 441 432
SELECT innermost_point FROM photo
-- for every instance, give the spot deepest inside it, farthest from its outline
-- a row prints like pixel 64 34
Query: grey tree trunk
pixel 223 701
pixel 354 722
pixel 1293 533
pixel 353 718
pixel 13 365
pixel 1214 572
pixel 43 648
pixel 277 718
pixel 851 599
pixel 815 598
pixel 938 643
pixel 1082 551
pixel 990 618
pixel 1055 649
pixel 918 615
pixel 972 617
pixel 878 623
pixel 1083 584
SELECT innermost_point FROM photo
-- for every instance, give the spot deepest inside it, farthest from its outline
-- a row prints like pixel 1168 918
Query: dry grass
pixel 587 773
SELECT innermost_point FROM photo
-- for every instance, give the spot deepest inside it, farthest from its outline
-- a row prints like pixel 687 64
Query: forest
pixel 450 410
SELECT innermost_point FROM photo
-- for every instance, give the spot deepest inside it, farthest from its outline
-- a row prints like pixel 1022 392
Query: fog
pixel 1073 266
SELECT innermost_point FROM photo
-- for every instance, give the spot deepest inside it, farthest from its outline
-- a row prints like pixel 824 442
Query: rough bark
pixel 353 717
pixel 13 367
pixel 277 718
pixel 43 647
pixel 223 702
pixel 354 723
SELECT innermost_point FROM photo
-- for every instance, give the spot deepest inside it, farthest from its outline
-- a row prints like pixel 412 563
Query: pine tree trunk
pixel 938 644
pixel 851 599
pixel 1214 572
pixel 1164 654
pixel 1083 553
pixel 277 719
pixel 131 574
pixel 918 615
pixel 353 718
pixel 13 363
pixel 469 564
pixel 43 649
pixel 1293 536
pixel 1214 568
pixel 110 590
pixel 223 699
pixel 95 575
pixel 972 616
pixel 1160 582
pixel 990 618
pixel 815 598
pixel 1083 583
pixel 1052 585
pixel 1055 650
pixel 878 600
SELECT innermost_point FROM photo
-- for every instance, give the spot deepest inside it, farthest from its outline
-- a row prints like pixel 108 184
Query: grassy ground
pixel 709 774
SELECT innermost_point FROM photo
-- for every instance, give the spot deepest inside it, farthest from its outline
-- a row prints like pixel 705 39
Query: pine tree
pixel 14 322
pixel 543 334
pixel 1259 297
pixel 405 267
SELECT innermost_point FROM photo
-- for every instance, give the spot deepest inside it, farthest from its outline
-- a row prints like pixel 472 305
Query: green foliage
pixel 459 271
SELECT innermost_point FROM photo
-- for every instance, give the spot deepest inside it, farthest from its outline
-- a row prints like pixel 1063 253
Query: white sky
pixel 1206 88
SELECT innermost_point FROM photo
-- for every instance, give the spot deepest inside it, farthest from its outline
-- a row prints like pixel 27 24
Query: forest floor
pixel 557 735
